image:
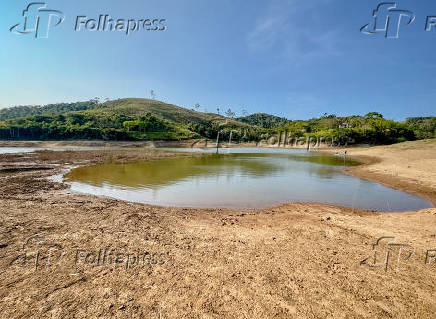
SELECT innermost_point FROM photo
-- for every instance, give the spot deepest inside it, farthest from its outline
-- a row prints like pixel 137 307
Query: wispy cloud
pixel 269 28
pixel 283 31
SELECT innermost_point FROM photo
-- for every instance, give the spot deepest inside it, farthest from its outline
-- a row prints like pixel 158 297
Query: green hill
pixel 264 120
pixel 144 119
pixel 123 119
pixel 22 111
pixel 136 107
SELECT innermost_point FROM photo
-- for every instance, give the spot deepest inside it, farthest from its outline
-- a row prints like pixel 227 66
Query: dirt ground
pixel 66 255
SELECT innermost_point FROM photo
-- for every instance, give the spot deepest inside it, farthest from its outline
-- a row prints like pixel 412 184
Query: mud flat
pixel 66 255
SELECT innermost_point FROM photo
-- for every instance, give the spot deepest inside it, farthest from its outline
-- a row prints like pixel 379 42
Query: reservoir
pixel 241 178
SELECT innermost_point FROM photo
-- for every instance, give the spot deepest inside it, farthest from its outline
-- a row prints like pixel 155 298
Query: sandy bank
pixel 295 260
pixel 410 166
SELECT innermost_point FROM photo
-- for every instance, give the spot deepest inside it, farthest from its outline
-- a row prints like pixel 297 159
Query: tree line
pixel 81 121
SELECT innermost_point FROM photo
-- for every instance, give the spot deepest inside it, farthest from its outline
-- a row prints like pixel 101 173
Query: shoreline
pixel 195 143
pixel 279 257
pixel 370 158
pixel 423 192
pixel 361 171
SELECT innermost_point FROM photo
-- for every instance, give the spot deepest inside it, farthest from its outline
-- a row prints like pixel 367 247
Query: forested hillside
pixel 22 111
pixel 264 120
pixel 124 119
pixel 144 119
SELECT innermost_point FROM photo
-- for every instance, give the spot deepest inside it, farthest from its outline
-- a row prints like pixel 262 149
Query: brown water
pixel 241 178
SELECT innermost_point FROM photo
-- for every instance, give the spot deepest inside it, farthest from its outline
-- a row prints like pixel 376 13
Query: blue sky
pixel 293 58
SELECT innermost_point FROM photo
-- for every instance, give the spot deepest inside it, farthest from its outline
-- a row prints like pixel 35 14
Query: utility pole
pixel 231 134
pixel 217 141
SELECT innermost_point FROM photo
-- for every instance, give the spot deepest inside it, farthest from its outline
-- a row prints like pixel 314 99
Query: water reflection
pixel 161 173
pixel 242 178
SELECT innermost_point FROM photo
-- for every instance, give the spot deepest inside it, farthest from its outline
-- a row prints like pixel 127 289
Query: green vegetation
pixel 124 119
pixel 371 128
pixel 423 127
pixel 264 120
pixel 145 119
pixel 22 111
